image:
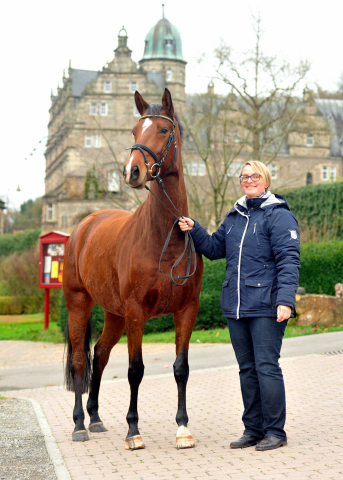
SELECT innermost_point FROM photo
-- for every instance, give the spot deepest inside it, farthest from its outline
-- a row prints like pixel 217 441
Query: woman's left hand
pixel 283 313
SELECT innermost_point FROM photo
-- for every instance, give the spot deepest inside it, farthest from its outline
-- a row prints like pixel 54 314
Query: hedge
pixel 318 208
pixel 321 269
pixel 19 242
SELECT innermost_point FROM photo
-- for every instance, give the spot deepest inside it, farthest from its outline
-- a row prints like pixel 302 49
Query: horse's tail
pixel 69 380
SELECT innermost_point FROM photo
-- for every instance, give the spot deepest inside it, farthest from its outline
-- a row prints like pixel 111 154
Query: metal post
pixel 46 308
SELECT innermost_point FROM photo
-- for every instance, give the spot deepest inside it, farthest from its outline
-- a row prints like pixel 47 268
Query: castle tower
pixel 163 61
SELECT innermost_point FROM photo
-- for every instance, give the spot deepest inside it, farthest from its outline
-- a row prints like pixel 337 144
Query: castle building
pixel 91 120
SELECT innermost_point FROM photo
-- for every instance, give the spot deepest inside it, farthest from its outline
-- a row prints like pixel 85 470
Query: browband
pixel 161 116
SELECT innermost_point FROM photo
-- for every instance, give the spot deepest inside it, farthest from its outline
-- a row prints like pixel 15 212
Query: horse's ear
pixel 141 104
pixel 167 103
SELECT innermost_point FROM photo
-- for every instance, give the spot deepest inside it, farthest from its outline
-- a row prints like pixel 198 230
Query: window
pixel 169 43
pixel 333 173
pixel 50 212
pixel 236 137
pixel 97 141
pixel 93 109
pixel 136 112
pixel 88 141
pixel 310 140
pixel 234 169
pixel 273 171
pixel 103 109
pixel 309 178
pixel 181 77
pixel 107 86
pixel 169 75
pixel 324 173
pixel 64 221
pixel 113 181
pixel 133 86
pixel 195 168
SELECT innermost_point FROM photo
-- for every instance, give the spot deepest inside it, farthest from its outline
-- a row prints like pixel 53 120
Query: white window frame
pixel 325 174
pixel 88 140
pixel 133 86
pixel 107 86
pixel 310 140
pixel 333 173
pixel 169 75
pixel 136 112
pixel 93 108
pixel 273 171
pixel 113 181
pixel 49 214
pixel 103 109
pixel 97 140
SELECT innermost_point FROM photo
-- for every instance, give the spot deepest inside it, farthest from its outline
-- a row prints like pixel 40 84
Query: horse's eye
pixel 133 134
pixel 164 130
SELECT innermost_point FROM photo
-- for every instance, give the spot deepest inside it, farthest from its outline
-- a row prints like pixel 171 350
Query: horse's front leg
pixel 184 323
pixel 134 330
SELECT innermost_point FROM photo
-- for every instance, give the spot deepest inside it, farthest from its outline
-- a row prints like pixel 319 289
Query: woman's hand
pixel 186 224
pixel 283 313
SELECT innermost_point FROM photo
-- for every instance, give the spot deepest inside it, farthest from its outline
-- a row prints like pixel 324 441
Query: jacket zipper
pixel 228 232
pixel 239 263
pixel 255 233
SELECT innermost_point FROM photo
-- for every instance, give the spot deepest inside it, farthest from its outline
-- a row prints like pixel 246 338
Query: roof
pixel 79 79
pixel 332 111
pixel 163 42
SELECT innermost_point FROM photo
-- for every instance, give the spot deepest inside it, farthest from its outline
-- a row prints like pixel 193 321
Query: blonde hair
pixel 260 168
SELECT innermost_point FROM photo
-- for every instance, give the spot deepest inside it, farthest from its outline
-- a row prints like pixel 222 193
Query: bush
pixel 319 210
pixel 11 305
pixel 19 278
pixel 20 242
pixel 321 266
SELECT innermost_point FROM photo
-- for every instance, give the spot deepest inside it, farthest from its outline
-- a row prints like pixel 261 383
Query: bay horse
pixel 112 258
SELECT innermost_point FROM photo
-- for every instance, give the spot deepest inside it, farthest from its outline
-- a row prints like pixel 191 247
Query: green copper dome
pixel 163 42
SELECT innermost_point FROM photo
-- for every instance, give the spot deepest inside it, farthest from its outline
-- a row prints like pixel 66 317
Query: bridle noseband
pixel 159 159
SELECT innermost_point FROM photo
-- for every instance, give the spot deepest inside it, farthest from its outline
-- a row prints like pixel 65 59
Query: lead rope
pixel 189 244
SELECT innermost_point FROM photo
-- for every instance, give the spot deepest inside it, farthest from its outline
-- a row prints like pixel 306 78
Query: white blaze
pixel 128 169
pixel 146 124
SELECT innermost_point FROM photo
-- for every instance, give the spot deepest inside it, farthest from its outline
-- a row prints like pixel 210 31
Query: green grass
pixel 35 332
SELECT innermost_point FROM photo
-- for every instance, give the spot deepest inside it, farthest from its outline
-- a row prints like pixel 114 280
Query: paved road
pixel 48 369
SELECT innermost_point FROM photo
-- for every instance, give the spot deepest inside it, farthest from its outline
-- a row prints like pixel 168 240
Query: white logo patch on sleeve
pixel 293 234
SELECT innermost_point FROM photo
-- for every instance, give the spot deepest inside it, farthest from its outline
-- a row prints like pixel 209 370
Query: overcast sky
pixel 39 37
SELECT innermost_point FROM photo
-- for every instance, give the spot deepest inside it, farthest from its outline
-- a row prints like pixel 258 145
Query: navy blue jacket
pixel 259 238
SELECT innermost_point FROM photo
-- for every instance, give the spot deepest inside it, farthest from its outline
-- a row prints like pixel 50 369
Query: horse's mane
pixel 155 109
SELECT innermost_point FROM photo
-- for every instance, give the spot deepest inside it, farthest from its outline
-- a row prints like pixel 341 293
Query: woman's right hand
pixel 186 224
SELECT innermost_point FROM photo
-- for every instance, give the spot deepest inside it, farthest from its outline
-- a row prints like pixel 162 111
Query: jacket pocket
pixel 226 300
pixel 258 293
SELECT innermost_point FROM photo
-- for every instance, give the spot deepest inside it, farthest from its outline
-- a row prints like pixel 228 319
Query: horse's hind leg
pixel 78 367
pixel 184 323
pixel 112 332
pixel 134 331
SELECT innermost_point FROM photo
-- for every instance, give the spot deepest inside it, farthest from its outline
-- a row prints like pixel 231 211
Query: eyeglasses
pixel 254 177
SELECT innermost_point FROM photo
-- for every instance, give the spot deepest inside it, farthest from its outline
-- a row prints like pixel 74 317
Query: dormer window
pixel 169 75
pixel 310 140
pixel 107 86
pixel 169 43
pixel 133 86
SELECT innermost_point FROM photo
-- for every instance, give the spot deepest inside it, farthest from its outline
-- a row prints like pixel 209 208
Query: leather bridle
pixel 159 160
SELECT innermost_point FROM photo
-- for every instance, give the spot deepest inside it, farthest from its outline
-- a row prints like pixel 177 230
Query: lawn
pixel 27 330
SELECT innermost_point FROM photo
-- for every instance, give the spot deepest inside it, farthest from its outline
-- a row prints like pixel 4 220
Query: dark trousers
pixel 257 344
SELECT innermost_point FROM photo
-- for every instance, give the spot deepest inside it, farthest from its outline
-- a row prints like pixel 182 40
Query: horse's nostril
pixel 135 172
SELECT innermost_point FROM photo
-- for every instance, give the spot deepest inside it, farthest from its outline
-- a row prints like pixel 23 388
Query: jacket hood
pixel 269 200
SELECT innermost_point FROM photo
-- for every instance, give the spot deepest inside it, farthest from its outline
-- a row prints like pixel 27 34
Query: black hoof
pixel 97 427
pixel 80 436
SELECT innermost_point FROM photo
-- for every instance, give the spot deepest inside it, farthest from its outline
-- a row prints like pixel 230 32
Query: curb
pixel 51 445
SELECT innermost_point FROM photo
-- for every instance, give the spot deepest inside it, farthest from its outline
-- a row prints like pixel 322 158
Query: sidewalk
pixel 314 387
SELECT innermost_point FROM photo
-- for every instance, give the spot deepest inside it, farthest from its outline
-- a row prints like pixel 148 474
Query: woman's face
pixel 250 188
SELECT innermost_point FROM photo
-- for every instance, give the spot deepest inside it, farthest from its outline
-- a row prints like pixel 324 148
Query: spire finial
pixel 163 10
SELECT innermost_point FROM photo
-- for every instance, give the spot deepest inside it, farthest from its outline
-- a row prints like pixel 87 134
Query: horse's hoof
pixel 97 427
pixel 134 443
pixel 184 438
pixel 80 436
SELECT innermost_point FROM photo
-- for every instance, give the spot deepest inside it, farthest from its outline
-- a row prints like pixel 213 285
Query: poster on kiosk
pixel 51 260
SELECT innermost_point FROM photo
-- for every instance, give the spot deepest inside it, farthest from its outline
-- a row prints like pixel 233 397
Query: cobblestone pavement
pixel 314 388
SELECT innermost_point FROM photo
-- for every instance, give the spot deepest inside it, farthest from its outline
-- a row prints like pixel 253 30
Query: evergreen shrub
pixel 19 242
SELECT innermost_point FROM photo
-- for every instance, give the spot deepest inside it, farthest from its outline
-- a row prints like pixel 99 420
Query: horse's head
pixel 154 138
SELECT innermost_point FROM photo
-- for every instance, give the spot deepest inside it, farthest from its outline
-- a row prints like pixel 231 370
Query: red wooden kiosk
pixel 51 259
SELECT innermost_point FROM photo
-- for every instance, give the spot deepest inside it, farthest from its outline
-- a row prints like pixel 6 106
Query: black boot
pixel 245 441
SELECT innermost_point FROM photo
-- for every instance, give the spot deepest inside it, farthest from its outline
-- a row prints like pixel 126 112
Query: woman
pixel 260 240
